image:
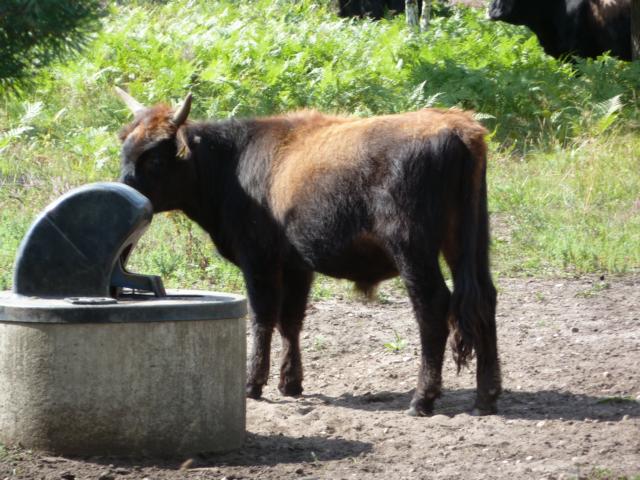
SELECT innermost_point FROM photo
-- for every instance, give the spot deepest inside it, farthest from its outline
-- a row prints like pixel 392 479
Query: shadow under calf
pixel 513 404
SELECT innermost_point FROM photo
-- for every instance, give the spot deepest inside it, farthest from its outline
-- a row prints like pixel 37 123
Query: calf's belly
pixel 362 261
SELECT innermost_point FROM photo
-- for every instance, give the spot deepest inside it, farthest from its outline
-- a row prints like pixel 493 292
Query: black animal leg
pixel 296 285
pixel 488 377
pixel 430 299
pixel 265 292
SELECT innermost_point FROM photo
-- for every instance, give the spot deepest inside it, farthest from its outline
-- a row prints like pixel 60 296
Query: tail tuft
pixel 461 322
pixel 462 350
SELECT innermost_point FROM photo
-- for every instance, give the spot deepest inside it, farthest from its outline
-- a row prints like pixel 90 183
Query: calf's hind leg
pixel 430 299
pixel 296 286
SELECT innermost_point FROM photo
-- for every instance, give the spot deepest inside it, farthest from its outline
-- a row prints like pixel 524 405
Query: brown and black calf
pixel 363 199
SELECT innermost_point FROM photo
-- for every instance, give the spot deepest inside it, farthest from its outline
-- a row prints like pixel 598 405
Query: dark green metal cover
pixel 79 244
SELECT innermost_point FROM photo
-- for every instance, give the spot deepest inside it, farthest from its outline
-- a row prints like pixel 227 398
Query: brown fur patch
pixel 602 10
pixel 326 145
pixel 152 126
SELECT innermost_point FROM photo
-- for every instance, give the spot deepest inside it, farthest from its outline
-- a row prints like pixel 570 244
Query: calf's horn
pixel 131 102
pixel 183 112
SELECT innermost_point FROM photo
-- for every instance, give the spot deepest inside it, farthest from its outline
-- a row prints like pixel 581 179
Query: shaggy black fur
pixel 586 28
pixel 370 8
pixel 406 202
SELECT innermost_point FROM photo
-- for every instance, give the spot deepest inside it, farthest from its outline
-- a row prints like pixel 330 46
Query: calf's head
pixel 155 153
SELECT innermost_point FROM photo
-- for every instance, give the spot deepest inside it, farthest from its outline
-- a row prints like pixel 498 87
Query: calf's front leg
pixel 264 288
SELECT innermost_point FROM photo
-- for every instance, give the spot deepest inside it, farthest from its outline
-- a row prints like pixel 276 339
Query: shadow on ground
pixel 539 405
pixel 272 450
pixel 258 450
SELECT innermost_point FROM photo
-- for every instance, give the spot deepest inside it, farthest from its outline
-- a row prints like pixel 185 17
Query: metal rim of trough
pixel 178 305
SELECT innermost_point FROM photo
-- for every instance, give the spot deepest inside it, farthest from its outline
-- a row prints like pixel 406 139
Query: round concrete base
pixel 121 387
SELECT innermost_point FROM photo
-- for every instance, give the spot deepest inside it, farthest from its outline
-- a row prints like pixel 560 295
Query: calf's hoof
pixel 480 410
pixel 486 402
pixel 293 389
pixel 420 408
pixel 254 391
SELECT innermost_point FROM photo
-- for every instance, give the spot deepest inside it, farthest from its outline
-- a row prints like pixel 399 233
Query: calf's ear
pixel 129 101
pixel 184 152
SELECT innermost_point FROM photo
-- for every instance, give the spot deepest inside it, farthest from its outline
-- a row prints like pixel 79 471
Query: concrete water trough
pixel 95 360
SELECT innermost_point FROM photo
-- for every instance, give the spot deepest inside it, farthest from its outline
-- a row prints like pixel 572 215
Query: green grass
pixel 397 344
pixel 3 452
pixel 606 474
pixel 564 171
pixel 569 210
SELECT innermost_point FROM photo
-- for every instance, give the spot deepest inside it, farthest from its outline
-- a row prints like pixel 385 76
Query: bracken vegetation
pixel 564 177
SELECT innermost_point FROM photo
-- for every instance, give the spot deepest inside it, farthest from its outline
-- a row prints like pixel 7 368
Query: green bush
pixel 564 169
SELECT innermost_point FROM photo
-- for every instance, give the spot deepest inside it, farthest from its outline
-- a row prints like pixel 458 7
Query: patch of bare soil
pixel 570 352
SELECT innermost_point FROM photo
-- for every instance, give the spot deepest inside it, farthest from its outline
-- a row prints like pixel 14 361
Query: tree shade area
pixel 35 32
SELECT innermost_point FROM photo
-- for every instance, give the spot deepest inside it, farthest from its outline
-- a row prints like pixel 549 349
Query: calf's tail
pixel 473 301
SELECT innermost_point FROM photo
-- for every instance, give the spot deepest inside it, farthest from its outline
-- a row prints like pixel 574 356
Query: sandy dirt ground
pixel 570 352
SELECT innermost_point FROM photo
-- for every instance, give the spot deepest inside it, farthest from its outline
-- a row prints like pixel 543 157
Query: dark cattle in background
pixel 369 8
pixel 363 199
pixel 586 28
